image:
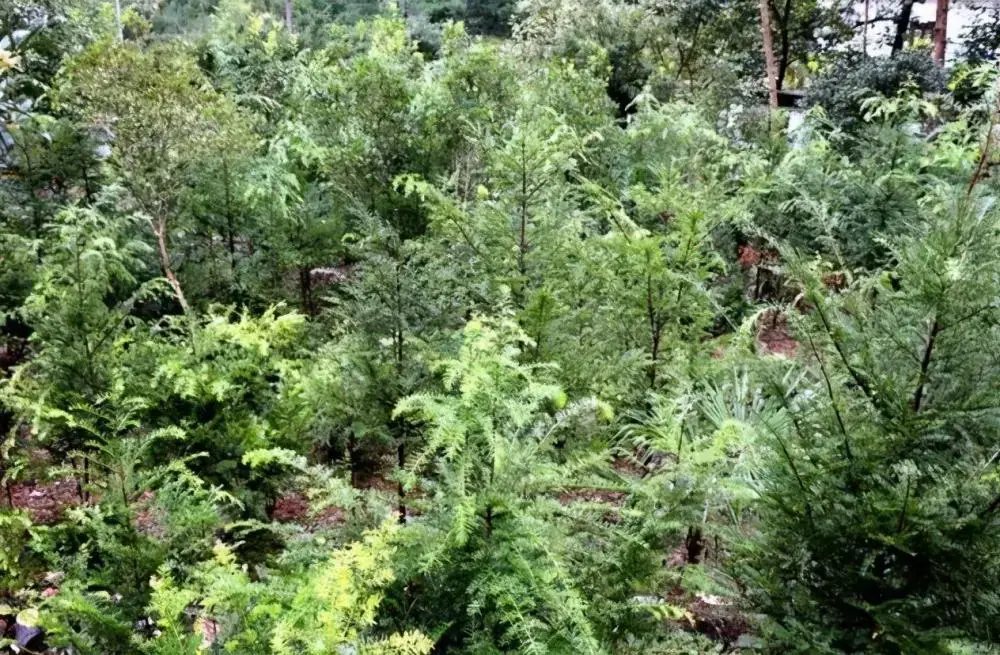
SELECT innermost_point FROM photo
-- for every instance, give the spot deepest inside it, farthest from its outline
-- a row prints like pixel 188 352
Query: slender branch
pixel 160 230
pixel 984 155
pixel 859 379
pixel 925 364
pixel 833 399
pixel 788 456
pixel 991 508
pixel 902 513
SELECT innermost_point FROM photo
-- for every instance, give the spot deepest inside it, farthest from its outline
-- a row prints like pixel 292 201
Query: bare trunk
pixel 522 242
pixel 902 25
pixel 230 230
pixel 941 31
pixel 160 230
pixel 118 20
pixel 401 462
pixel 288 16
pixel 655 331
pixel 771 65
pixel 694 545
pixel 352 460
pixel 305 287
pixel 786 45
pixel 864 31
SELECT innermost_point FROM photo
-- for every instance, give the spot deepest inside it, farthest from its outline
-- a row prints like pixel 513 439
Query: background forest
pixel 549 326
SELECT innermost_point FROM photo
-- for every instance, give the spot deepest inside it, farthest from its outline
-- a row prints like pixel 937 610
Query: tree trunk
pixel 786 45
pixel 160 230
pixel 902 25
pixel 352 460
pixel 401 462
pixel 288 16
pixel 941 32
pixel 118 20
pixel 655 330
pixel 305 288
pixel 772 69
pixel 230 230
pixel 694 545
pixel 864 31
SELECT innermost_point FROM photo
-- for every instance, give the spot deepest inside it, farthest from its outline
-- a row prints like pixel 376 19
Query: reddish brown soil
pixel 718 619
pixel 378 481
pixel 773 336
pixel 748 257
pixel 148 519
pixel 836 281
pixel 613 499
pixel 627 467
pixel 46 503
pixel 294 507
pixel 604 496
pixel 723 623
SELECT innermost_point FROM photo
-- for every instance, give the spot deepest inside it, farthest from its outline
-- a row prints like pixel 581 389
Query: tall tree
pixel 902 26
pixel 941 31
pixel 769 61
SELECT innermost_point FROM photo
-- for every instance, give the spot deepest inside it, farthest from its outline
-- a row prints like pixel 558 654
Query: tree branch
pixel 925 364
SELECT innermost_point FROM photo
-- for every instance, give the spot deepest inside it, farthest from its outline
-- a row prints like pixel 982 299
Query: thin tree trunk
pixel 352 460
pixel 160 230
pixel 522 242
pixel 655 330
pixel 288 16
pixel 925 365
pixel 984 156
pixel 941 31
pixel 230 230
pixel 772 69
pixel 902 25
pixel 401 462
pixel 786 45
pixel 864 31
pixel 118 20
pixel 305 287
pixel 694 545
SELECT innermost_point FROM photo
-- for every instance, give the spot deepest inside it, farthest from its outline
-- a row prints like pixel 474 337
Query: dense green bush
pixel 843 88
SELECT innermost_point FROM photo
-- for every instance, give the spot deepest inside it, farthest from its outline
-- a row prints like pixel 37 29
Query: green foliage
pixel 790 331
pixel 492 448
pixel 334 606
pixel 880 494
pixel 842 89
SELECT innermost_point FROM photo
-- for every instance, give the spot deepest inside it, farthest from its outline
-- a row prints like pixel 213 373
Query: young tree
pixel 879 499
pixel 488 537
pixel 166 122
pixel 79 311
